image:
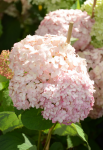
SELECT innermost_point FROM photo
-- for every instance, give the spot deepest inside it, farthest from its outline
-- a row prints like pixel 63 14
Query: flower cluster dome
pixel 49 75
pixel 56 23
pixel 94 59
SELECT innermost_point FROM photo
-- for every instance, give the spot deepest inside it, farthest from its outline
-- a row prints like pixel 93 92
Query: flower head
pixel 94 58
pixel 57 22
pixel 49 75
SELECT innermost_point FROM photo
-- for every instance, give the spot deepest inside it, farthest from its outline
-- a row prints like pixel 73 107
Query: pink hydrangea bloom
pixel 57 22
pixel 4 64
pixel 94 58
pixel 49 75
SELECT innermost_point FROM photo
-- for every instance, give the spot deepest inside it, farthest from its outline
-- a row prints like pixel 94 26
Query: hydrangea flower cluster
pixel 97 29
pixel 4 64
pixel 57 22
pixel 49 75
pixel 52 5
pixel 94 58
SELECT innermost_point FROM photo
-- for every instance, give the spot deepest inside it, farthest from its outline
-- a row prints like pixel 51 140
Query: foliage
pixel 32 119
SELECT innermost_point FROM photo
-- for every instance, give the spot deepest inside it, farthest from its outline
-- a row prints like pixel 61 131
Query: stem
pixel 69 32
pixel 48 139
pixel 46 147
pixel 39 139
pixel 94 3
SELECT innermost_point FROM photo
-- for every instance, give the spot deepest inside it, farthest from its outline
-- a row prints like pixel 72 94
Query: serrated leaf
pixel 73 141
pixel 11 140
pixel 72 130
pixel 81 134
pixel 57 146
pixel 33 147
pixel 27 132
pixel 9 121
pixel 26 145
pixel 6 103
pixel 18 112
pixel 34 120
pixel 64 130
pixel 73 40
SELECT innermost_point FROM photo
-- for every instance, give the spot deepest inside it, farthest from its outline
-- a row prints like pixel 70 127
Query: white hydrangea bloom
pixel 97 30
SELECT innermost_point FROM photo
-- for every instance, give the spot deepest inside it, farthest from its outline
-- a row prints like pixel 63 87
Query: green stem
pixel 46 147
pixel 39 139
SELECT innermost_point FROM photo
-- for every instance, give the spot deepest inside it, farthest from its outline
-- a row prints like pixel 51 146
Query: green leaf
pixel 4 85
pixel 73 141
pixel 14 141
pixel 78 4
pixel 57 146
pixel 81 133
pixel 3 79
pixel 27 144
pixel 18 112
pixel 64 130
pixel 73 40
pixel 9 121
pixel 72 130
pixel 30 133
pixel 74 6
pixel 11 140
pixel 33 147
pixel 34 120
pixel 6 103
